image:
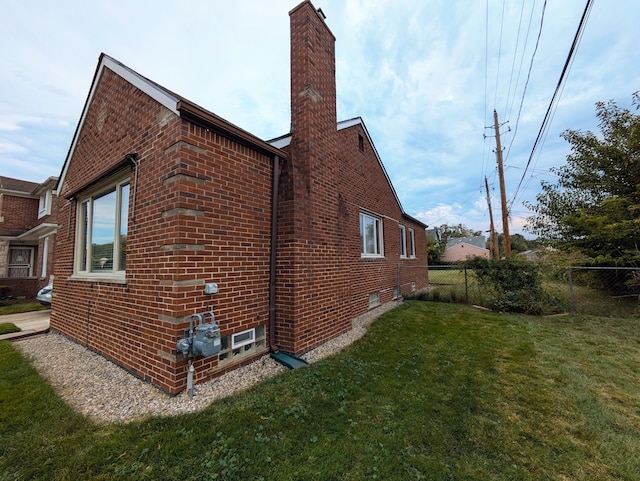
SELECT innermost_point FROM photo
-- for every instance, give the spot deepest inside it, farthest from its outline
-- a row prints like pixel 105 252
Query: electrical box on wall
pixel 211 288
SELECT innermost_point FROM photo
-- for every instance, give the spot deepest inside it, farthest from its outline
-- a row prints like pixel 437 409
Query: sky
pixel 424 75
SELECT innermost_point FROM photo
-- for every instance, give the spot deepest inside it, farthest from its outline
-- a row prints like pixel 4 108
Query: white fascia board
pixel 149 88
pixel 152 90
pixel 281 142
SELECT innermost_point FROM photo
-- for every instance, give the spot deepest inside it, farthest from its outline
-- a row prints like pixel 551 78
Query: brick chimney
pixel 313 288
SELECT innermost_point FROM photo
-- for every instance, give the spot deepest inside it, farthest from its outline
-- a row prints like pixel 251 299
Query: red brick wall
pixel 201 213
pixel 363 186
pixel 21 287
pixel 312 305
pixel 323 283
pixel 20 213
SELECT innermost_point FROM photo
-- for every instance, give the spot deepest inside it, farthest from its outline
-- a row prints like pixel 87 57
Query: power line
pixel 513 63
pixel 526 84
pixel 524 49
pixel 565 70
pixel 495 98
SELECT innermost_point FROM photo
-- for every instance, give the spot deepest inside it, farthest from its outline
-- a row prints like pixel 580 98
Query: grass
pixel 8 328
pixel 17 307
pixel 433 391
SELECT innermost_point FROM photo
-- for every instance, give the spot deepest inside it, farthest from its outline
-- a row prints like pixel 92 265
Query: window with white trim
pixel 370 236
pixel 44 205
pixel 45 256
pixel 20 261
pixel 403 241
pixel 238 346
pixel 101 230
pixel 412 243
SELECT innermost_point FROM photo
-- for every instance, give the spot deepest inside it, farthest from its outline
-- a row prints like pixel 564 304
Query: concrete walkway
pixel 30 323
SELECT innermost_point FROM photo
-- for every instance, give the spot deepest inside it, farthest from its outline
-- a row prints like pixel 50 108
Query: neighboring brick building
pixel 188 199
pixel 27 235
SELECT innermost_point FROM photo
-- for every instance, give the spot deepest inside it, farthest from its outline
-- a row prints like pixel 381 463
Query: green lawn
pixel 8 327
pixel 17 307
pixel 433 391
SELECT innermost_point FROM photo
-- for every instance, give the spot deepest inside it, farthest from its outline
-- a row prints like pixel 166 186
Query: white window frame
pixel 23 265
pixel 83 244
pixel 45 256
pixel 378 234
pixel 251 333
pixel 44 205
pixel 403 242
pixel 412 244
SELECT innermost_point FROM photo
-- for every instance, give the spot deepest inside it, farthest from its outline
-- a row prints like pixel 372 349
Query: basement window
pixel 374 300
pixel 243 338
pixel 242 345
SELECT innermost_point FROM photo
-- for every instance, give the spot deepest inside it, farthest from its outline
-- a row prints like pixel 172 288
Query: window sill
pixel 98 278
pixel 371 257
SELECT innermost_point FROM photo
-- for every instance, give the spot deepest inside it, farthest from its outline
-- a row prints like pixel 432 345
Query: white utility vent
pixel 243 338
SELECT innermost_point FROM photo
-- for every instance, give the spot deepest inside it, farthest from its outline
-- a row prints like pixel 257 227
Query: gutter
pixel 273 254
pixel 284 358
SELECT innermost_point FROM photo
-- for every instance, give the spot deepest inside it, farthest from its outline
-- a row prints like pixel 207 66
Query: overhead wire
pixel 486 81
pixel 548 115
pixel 524 50
pixel 526 84
pixel 495 98
pixel 513 62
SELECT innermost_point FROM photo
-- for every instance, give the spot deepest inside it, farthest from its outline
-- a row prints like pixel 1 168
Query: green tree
pixel 449 231
pixel 594 206
pixel 434 251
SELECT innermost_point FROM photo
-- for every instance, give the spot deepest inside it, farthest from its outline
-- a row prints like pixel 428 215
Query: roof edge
pixel 155 91
pixel 194 113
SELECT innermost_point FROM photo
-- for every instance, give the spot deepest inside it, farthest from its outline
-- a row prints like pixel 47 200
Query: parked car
pixel 44 295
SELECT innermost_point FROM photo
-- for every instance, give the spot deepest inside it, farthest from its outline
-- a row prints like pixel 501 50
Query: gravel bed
pixel 105 392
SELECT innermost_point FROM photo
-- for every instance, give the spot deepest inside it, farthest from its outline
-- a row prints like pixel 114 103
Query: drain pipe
pixel 190 373
pixel 273 255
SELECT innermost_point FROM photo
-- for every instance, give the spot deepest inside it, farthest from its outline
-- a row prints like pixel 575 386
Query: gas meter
pixel 202 339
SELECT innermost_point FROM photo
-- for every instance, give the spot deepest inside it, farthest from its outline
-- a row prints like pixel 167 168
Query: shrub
pixel 514 284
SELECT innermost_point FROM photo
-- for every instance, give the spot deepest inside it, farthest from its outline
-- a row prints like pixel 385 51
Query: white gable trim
pixel 151 89
pixel 138 81
pixel 284 141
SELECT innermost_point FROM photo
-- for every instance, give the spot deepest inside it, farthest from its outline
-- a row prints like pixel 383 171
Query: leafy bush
pixel 514 285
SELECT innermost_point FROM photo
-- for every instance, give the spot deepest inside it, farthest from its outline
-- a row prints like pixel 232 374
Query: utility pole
pixel 503 192
pixel 493 238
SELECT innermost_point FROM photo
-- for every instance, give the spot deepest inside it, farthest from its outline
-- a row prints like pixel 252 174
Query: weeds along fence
pixel 602 291
pixel 409 278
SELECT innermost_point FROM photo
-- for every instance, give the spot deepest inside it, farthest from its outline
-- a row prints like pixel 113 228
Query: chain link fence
pixel 602 291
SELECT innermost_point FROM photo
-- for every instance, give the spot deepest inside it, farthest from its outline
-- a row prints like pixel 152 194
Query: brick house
pixel 159 198
pixel 27 234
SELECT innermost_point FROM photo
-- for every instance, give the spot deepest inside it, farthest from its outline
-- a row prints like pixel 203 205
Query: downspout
pixel 273 255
